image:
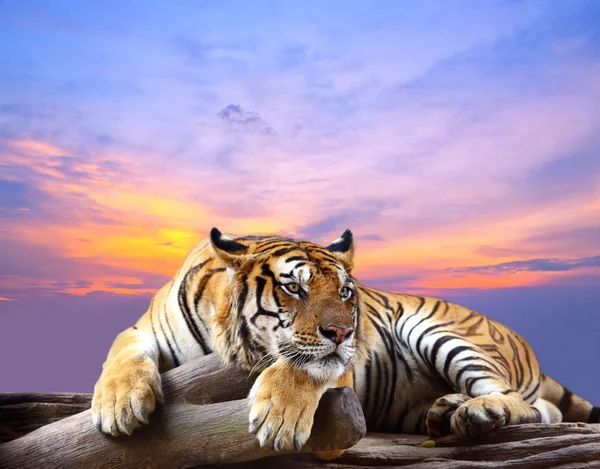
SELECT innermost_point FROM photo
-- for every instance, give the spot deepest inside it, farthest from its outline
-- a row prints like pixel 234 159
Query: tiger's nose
pixel 336 334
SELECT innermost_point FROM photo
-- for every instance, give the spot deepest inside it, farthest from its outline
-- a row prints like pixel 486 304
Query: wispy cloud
pixel 238 118
pixel 125 138
pixel 533 265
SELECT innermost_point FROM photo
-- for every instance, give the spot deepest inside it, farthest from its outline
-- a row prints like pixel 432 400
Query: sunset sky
pixel 460 141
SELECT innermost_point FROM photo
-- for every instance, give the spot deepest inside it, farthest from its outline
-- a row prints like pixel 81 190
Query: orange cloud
pixel 144 223
pixel 100 212
pixel 35 148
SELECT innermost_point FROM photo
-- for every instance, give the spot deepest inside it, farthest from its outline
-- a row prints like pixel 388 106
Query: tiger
pixel 292 311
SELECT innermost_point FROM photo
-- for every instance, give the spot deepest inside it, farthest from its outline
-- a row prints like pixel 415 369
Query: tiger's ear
pixel 343 250
pixel 229 250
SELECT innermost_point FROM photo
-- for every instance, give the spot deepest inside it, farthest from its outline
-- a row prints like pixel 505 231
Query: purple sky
pixel 458 140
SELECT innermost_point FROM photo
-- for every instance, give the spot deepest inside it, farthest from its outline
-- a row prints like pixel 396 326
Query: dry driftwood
pixel 24 413
pixel 182 433
pixel 567 445
pixel 201 381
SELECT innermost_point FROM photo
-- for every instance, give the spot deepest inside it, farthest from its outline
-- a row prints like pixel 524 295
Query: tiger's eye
pixel 292 287
pixel 345 293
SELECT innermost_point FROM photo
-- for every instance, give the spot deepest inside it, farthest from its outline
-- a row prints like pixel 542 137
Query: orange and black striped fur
pixel 292 310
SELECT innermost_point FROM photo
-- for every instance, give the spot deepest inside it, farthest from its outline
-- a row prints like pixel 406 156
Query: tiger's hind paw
pixel 479 416
pixel 439 416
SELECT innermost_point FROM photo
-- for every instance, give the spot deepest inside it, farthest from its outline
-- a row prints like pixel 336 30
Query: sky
pixel 458 140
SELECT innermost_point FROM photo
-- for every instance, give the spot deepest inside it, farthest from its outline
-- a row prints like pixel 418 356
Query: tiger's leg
pixel 550 413
pixel 283 401
pixel 472 372
pixel 572 407
pixel 345 380
pixel 130 384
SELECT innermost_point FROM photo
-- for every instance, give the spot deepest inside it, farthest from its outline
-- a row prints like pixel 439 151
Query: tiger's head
pixel 288 300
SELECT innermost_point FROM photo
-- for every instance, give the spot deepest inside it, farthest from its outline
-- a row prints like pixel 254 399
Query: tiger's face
pixel 288 300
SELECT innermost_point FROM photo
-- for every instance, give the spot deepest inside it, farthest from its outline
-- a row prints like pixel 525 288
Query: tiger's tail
pixel 572 407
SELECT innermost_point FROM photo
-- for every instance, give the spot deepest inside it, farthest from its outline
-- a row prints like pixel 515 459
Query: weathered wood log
pixel 24 413
pixel 533 446
pixel 200 381
pixel 182 433
pixel 184 430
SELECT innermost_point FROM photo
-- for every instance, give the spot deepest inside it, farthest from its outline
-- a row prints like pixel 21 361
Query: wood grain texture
pixel 197 382
pixel 525 446
pixel 204 424
pixel 182 433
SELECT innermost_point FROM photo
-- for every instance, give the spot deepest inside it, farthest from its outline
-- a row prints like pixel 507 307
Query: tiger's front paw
pixel 282 412
pixel 125 396
pixel 439 416
pixel 479 416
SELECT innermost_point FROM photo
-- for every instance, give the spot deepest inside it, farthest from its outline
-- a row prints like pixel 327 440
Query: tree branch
pixel 182 433
pixel 200 381
pixel 536 446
